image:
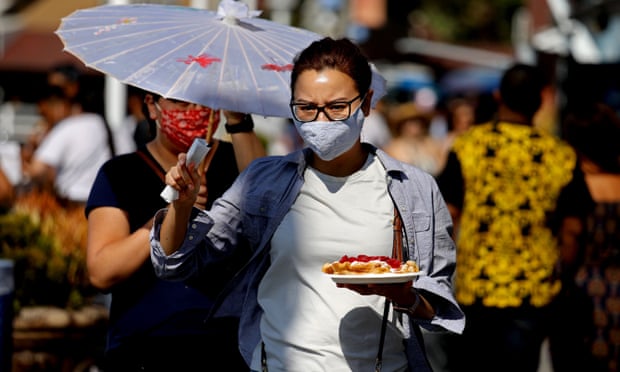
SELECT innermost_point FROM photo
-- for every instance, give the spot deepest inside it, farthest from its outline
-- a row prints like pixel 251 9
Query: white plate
pixel 374 278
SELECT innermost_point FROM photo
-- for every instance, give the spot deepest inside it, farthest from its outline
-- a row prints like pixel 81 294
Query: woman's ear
pixel 149 101
pixel 367 101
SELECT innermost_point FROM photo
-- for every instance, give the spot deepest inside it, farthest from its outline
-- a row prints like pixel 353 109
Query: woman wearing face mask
pixel 299 211
pixel 154 324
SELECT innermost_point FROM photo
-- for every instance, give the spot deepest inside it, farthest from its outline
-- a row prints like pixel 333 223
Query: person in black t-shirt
pixel 152 319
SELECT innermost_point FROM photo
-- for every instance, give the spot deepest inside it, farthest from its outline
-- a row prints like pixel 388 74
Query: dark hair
pixel 594 132
pixel 68 70
pixel 521 87
pixel 453 105
pixel 341 54
pixel 74 84
pixel 49 92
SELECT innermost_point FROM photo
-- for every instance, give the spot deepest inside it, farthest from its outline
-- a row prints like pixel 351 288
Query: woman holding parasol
pixel 158 325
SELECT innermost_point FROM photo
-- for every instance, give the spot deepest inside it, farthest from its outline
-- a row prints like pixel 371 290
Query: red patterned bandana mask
pixel 182 126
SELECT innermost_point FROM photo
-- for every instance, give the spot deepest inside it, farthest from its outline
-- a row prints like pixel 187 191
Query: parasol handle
pixel 209 134
pixel 208 138
pixel 204 164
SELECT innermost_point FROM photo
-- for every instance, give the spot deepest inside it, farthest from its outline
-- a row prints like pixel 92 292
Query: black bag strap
pixel 397 245
pixel 263 358
pixel 151 163
pixel 397 252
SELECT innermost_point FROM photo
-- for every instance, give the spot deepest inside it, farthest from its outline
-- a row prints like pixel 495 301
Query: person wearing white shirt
pixel 68 158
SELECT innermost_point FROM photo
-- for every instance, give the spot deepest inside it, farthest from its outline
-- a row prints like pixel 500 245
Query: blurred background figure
pixel 67 160
pixel 460 115
pixel 67 76
pixel 591 265
pixel 501 182
pixel 412 142
pixel 376 129
pixel 7 193
pixel 64 76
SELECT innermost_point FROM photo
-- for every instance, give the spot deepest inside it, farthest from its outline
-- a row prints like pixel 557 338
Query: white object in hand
pixel 195 154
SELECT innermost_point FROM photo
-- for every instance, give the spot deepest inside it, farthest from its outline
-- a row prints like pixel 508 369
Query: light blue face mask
pixel 330 139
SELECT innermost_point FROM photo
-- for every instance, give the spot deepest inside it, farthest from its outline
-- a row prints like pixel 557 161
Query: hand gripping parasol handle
pixel 195 154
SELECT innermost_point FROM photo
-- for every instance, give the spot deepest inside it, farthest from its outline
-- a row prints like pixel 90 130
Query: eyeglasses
pixel 337 110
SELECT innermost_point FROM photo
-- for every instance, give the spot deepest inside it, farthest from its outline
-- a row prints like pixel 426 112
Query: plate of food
pixel 363 269
pixel 386 278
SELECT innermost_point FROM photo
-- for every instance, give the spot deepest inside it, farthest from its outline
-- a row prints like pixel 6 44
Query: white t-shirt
pixel 308 323
pixel 76 147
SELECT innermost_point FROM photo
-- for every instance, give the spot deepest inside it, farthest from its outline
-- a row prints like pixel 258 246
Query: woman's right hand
pixel 186 180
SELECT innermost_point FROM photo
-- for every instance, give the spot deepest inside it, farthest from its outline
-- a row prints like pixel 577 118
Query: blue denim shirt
pixel 255 205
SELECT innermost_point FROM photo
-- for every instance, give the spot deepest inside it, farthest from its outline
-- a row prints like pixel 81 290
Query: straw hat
pixel 398 114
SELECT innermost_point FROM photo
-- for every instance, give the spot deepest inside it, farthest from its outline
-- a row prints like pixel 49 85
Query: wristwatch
pixel 246 125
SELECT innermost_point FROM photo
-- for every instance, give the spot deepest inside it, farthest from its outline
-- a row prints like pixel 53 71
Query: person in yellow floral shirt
pixel 502 182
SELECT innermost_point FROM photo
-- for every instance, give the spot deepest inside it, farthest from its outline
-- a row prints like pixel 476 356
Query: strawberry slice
pixel 394 263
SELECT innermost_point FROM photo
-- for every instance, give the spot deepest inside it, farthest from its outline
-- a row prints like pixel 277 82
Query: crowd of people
pixel 514 228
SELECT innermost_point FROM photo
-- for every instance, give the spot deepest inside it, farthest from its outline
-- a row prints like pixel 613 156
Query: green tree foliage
pixel 467 20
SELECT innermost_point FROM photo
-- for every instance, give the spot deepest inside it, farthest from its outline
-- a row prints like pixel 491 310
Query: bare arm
pixel 455 213
pixel 568 238
pixel 42 174
pixel 113 253
pixel 247 145
pixel 7 193
pixel 247 148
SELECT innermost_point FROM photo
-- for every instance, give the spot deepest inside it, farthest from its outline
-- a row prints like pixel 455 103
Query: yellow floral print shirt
pixel 512 176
